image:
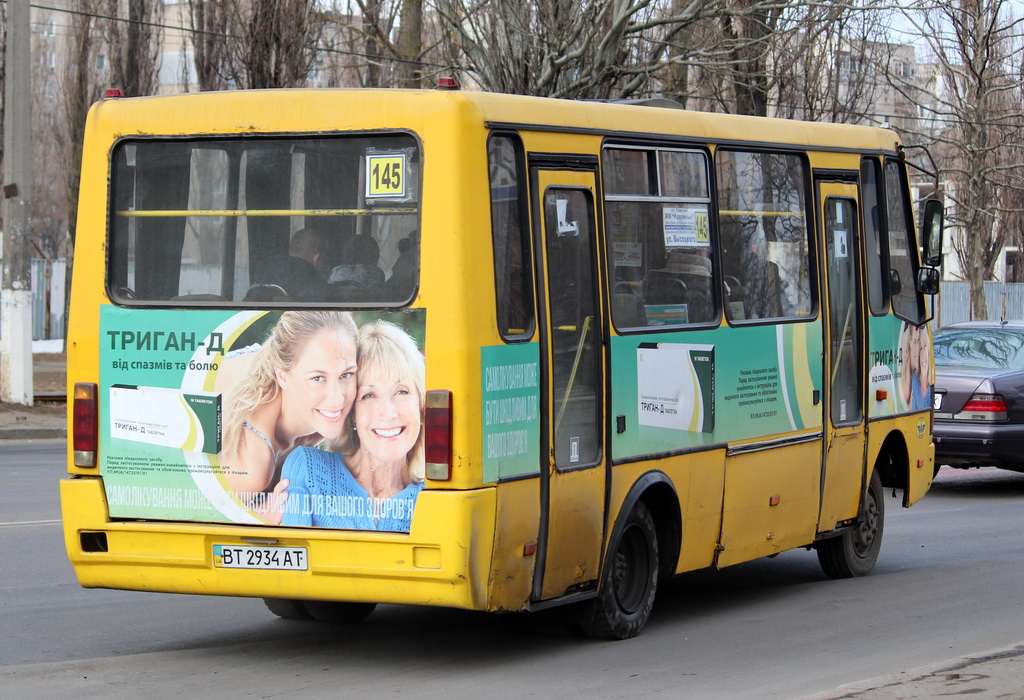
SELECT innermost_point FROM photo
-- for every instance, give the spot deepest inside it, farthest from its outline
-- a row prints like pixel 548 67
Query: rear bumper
pixel 444 560
pixel 962 444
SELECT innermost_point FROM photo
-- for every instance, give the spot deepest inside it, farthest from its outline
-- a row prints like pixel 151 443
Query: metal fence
pixel 1002 300
pixel 48 299
pixel 952 305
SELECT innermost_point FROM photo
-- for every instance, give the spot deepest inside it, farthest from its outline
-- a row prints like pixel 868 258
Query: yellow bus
pixel 335 348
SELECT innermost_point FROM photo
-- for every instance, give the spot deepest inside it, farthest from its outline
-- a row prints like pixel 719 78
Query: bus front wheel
pixel 855 552
pixel 630 580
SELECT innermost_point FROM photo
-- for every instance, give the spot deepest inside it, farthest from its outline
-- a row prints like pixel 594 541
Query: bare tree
pixel 133 42
pixel 976 135
pixel 378 43
pixel 49 197
pixel 727 55
pixel 276 42
pixel 79 90
pixel 208 22
pixel 557 48
pixel 409 69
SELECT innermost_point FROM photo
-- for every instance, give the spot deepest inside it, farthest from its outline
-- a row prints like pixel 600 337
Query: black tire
pixel 343 613
pixel 855 552
pixel 288 609
pixel 629 582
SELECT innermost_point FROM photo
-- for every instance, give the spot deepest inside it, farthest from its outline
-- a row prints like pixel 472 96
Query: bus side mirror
pixel 933 213
pixel 895 286
pixel 928 281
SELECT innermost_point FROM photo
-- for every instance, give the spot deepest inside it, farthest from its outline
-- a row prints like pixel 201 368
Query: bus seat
pixel 664 290
pixel 297 277
pixel 628 307
pixel 198 297
pixel 356 282
pixel 265 292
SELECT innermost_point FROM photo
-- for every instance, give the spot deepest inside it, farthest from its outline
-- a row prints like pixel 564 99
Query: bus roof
pixel 342 109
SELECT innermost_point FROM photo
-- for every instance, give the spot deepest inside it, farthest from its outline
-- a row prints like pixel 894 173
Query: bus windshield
pixel 268 220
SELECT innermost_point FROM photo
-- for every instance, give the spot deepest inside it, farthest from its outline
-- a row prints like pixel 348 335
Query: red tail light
pixel 984 407
pixel 84 424
pixel 438 435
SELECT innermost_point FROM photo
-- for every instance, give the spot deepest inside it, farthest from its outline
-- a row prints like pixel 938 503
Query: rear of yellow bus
pixel 214 232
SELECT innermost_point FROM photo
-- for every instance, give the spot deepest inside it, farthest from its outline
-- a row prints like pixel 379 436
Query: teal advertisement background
pixel 510 380
pixel 155 456
pixel 764 378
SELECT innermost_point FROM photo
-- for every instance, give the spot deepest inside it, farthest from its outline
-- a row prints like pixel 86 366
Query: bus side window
pixel 765 237
pixel 657 207
pixel 513 264
pixel 874 235
pixel 907 304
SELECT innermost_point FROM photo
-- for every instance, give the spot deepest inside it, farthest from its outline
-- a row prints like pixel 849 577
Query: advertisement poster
pixel 298 418
pixel 676 386
pixel 901 377
pixel 511 415
pixel 683 390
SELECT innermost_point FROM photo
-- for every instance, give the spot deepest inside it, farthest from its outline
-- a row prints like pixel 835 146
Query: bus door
pixel 843 478
pixel 572 381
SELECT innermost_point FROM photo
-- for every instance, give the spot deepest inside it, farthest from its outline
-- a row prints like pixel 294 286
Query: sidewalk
pixel 994 674
pixel 47 418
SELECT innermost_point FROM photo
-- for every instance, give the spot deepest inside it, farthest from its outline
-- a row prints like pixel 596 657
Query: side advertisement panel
pixel 901 376
pixel 511 411
pixel 675 391
pixel 297 418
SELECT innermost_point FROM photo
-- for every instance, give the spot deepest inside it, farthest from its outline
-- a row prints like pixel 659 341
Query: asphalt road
pixel 947 584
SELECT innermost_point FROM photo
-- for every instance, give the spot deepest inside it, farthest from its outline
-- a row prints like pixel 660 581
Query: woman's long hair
pixel 281 349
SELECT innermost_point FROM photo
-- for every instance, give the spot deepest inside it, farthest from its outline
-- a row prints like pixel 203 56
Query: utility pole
pixel 16 296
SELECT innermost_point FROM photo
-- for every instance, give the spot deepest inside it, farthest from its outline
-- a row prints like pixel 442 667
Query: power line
pixel 190 31
pixel 880 118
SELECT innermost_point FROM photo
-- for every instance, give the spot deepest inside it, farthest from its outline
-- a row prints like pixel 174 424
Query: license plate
pixel 937 401
pixel 247 556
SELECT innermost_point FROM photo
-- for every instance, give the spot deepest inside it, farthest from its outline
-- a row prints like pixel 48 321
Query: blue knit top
pixel 323 493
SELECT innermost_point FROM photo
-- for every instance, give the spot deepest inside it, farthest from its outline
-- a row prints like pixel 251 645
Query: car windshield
pixel 992 348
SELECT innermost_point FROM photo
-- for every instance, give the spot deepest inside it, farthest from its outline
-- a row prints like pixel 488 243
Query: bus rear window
pixel 266 221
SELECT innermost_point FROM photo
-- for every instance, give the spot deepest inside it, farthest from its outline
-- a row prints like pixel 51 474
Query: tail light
pixel 438 435
pixel 84 424
pixel 984 407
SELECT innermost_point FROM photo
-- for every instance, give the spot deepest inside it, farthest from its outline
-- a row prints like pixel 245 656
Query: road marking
pixel 19 523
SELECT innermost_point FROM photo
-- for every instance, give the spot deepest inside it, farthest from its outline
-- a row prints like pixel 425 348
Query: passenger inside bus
pixel 685 280
pixel 358 278
pixel 295 276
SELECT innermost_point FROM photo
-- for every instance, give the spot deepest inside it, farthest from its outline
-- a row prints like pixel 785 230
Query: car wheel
pixel 630 581
pixel 855 551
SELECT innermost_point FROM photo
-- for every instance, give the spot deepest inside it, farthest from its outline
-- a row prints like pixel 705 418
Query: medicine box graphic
pixel 166 417
pixel 676 386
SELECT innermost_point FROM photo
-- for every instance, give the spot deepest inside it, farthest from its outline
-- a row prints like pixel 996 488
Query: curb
pixel 922 681
pixel 28 433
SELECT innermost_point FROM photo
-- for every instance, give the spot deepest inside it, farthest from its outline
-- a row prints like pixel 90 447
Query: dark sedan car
pixel 979 395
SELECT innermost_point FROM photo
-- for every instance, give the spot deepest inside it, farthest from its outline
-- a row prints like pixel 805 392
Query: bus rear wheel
pixel 630 580
pixel 855 552
pixel 287 609
pixel 346 613
pixel 343 613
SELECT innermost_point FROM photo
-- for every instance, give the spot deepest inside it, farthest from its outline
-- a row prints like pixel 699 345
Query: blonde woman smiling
pixel 375 484
pixel 298 390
